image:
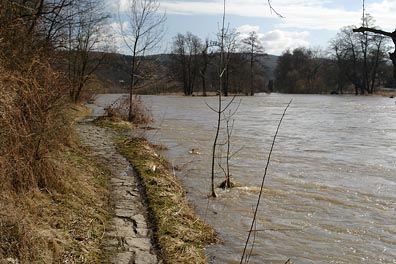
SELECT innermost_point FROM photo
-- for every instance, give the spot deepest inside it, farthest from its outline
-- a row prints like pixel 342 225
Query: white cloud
pixel 245 29
pixel 277 41
pixel 317 17
pixel 314 14
pixel 117 5
pixel 304 19
pixel 214 7
pixel 384 14
pixel 114 30
pixel 302 14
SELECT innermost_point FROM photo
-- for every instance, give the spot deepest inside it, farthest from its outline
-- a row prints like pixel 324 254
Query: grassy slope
pixel 65 225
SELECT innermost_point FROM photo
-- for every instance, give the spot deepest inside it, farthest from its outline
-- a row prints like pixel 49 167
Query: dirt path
pixel 128 238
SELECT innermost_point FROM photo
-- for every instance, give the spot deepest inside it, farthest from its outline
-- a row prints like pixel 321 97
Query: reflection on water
pixel 330 190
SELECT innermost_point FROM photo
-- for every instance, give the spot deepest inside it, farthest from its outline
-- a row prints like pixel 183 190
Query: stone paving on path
pixel 128 239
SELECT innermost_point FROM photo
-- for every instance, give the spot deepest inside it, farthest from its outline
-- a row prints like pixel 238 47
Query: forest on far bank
pixel 353 63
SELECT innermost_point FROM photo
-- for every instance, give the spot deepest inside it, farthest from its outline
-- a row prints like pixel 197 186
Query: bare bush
pixel 119 110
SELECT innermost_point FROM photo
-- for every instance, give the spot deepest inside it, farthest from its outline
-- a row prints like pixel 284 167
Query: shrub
pixel 119 110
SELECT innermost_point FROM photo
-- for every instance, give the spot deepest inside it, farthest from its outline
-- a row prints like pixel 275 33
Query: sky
pixel 310 23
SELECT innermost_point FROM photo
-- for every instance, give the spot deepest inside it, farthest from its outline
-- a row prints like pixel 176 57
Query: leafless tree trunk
pixel 86 33
pixel 143 34
pixel 222 66
pixel 254 47
pixel 229 153
pixel 219 111
pixel 204 65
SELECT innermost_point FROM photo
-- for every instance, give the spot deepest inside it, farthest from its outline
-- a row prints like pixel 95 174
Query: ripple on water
pixel 329 194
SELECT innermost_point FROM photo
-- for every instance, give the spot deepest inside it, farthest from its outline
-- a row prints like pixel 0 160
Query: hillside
pixel 114 72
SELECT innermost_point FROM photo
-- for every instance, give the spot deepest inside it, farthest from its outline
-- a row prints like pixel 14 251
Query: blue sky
pixel 307 23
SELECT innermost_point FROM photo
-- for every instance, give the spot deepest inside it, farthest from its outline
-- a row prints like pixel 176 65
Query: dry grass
pixel 386 93
pixel 181 235
pixel 51 227
pixel 57 224
pixel 116 124
pixel 30 119
pixel 53 198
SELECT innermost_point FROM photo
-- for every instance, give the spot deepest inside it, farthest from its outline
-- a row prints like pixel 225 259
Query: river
pixel 330 190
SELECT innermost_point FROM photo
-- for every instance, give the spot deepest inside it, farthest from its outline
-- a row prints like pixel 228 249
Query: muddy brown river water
pixel 330 191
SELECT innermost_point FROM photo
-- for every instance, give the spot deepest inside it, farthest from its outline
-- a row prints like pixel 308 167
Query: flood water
pixel 330 190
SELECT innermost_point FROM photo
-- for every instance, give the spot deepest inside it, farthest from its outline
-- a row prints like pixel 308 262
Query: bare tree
pixel 372 49
pixel 222 67
pixel 226 43
pixel 56 16
pixel 228 118
pixel 338 54
pixel 180 57
pixel 220 110
pixel 86 32
pixel 346 49
pixel 206 57
pixel 144 32
pixel 186 52
pixel 391 35
pixel 254 47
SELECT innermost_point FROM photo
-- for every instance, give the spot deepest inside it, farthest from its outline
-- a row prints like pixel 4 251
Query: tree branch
pixel 377 31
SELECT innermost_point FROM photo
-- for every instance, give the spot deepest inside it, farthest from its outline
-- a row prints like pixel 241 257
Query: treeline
pixel 196 64
pixel 353 63
pixel 193 67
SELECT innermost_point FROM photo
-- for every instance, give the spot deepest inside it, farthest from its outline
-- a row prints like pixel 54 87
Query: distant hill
pixel 115 76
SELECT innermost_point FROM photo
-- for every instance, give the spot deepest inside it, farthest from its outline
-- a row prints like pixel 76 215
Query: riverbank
pixel 179 235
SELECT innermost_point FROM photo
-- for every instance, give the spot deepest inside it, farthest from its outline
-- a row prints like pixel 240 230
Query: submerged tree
pixel 205 61
pixel 298 71
pixel 359 57
pixel 391 35
pixel 254 48
pixel 186 53
pixel 229 153
pixel 344 51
